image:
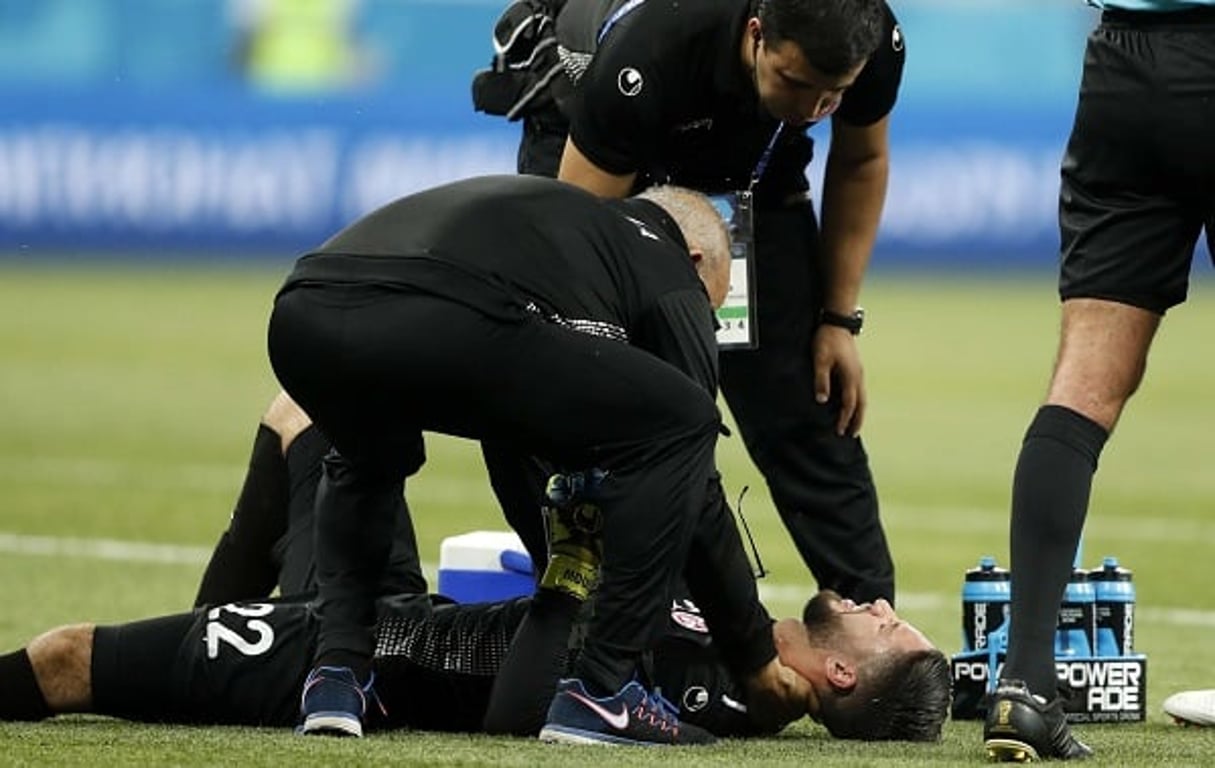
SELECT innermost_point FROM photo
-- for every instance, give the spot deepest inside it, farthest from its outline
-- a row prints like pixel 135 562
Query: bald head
pixel 705 232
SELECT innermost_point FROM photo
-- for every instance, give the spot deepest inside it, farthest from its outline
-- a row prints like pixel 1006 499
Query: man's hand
pixel 837 363
pixel 776 696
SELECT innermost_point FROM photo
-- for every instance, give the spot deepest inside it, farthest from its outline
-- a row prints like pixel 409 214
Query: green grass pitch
pixel 129 397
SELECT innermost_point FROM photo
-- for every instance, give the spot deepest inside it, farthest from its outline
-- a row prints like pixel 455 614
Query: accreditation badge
pixel 737 315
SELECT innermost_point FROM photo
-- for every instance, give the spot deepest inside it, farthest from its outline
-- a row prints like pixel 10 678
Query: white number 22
pixel 217 632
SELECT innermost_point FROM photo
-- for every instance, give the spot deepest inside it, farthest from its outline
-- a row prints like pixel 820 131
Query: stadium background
pixel 128 124
pixel 152 193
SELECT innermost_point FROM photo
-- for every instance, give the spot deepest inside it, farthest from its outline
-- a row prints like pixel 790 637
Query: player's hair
pixel 702 226
pixel 835 36
pixel 901 697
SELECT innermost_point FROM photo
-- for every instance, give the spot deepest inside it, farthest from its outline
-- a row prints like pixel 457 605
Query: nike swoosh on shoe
pixel 618 720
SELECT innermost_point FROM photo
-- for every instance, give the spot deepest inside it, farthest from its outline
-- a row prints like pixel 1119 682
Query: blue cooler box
pixel 483 566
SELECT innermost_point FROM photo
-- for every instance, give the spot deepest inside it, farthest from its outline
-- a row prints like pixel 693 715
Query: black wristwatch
pixel 851 323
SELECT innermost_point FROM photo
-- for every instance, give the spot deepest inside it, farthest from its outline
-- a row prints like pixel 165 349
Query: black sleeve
pixel 720 580
pixel 875 91
pixel 679 329
pixel 691 676
pixel 616 111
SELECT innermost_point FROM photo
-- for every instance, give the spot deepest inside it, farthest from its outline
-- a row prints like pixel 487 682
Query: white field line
pixel 787 594
pixel 103 549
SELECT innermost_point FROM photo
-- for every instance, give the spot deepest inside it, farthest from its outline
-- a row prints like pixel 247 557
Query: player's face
pixel 865 629
pixel 793 91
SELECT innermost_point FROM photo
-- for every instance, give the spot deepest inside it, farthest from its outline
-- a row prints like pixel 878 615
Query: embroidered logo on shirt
pixel 703 123
pixel 629 81
pixel 896 38
pixel 642 229
pixel 695 698
pixel 690 621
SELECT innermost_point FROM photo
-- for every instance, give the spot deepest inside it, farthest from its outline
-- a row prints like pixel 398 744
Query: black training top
pixel 666 94
pixel 521 248
pixel 435 666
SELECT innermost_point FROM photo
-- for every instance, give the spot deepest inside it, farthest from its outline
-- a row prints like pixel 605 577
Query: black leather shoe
pixel 1021 727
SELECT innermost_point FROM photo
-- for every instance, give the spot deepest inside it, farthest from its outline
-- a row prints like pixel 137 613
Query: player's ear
pixel 841 673
pixel 697 254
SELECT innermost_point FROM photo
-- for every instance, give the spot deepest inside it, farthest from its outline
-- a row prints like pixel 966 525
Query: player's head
pixel 705 232
pixel 808 52
pixel 876 676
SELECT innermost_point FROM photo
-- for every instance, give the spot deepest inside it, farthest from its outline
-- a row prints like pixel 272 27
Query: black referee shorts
pixel 1138 179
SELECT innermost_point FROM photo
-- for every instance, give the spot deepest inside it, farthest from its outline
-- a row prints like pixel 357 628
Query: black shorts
pixel 245 663
pixel 236 664
pixel 1138 179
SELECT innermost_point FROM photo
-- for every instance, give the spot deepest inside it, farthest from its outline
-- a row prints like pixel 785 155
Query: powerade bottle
pixel 1114 608
pixel 985 598
pixel 1074 633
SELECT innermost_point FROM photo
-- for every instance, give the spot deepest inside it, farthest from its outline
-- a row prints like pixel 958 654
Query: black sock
pixel 242 566
pixel 304 457
pixel 297 552
pixel 357 662
pixel 22 699
pixel 1050 496
pixel 524 685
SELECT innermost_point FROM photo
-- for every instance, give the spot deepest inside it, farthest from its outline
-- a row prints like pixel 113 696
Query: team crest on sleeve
pixel 896 38
pixel 687 615
pixel 695 698
pixel 629 81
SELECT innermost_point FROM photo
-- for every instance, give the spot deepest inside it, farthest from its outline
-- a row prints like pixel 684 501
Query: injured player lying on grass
pixel 861 671
pixel 857 669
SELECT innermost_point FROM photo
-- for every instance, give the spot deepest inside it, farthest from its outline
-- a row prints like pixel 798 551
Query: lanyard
pixel 620 13
pixel 762 165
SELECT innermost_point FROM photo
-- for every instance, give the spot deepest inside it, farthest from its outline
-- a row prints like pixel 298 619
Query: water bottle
pixel 985 599
pixel 1114 608
pixel 1075 629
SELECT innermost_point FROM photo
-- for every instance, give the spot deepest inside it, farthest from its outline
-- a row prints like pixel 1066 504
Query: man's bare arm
pixel 578 170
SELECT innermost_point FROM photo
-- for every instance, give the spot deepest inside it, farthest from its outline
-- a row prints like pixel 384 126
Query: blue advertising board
pixel 131 156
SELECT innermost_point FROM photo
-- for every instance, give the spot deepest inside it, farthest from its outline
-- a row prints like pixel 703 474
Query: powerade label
pixel 1100 690
pixel 979 620
pixel 1104 690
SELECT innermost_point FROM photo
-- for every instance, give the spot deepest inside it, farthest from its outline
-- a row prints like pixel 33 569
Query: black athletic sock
pixel 242 566
pixel 359 664
pixel 304 457
pixel 1051 487
pixel 22 699
pixel 295 552
pixel 524 685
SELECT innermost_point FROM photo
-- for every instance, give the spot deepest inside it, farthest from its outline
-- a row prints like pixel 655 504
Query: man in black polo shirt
pixel 523 310
pixel 718 95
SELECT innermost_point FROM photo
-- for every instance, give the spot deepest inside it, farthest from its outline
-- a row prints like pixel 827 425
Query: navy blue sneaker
pixel 334 703
pixel 632 716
